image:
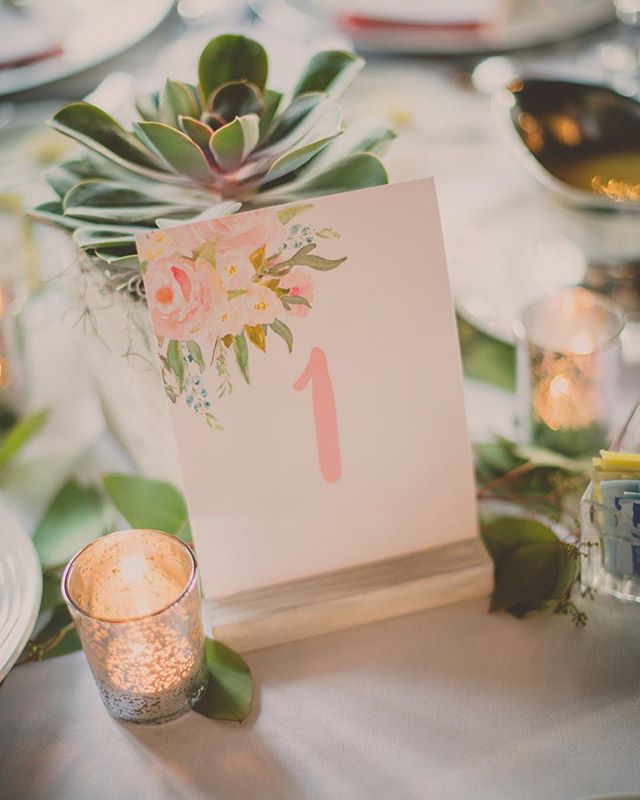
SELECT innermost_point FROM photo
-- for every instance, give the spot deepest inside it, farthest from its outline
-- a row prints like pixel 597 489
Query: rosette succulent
pixel 206 150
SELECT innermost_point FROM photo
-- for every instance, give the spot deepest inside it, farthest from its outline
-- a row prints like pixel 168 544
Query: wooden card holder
pixel 354 596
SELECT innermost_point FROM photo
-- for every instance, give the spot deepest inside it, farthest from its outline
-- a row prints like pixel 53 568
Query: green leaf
pixel 95 129
pixel 196 353
pixel 59 635
pixel 176 362
pixel 531 565
pixel 297 157
pixel 115 202
pixel 51 594
pixel 272 101
pixel 91 237
pixel 231 57
pixel 52 211
pixel 233 293
pixel 242 355
pixel 542 457
pixel 295 122
pixel 232 143
pixel 294 300
pixel 358 171
pixel 19 434
pixel 147 503
pixel 330 71
pixel 303 258
pixel 363 136
pixel 285 215
pixel 229 691
pixel 283 331
pixel 197 131
pixel 75 517
pixel 485 358
pixel 148 106
pixel 177 99
pixel 236 99
pixel 175 148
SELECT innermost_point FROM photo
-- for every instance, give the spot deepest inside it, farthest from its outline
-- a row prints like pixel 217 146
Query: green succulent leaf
pixel 196 130
pixel 330 71
pixel 229 691
pixel 176 149
pixel 232 143
pixel 148 106
pixel 75 517
pixel 272 100
pixel 236 99
pixel 178 99
pixel 52 211
pixel 232 57
pixel 91 237
pixel 283 331
pixel 358 171
pixel 151 504
pixel 108 200
pixel 296 121
pixel 95 129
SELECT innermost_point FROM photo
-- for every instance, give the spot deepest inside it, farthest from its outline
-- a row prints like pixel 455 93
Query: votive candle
pixel 134 598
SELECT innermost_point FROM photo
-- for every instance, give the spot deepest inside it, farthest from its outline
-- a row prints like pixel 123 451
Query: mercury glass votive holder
pixel 135 601
pixel 568 371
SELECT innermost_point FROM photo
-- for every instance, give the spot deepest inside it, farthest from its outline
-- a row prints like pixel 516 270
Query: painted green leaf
pixel 236 99
pixel 233 293
pixel 256 335
pixel 294 300
pixel 176 363
pixel 229 692
pixel 147 503
pixel 196 353
pixel 304 258
pixel 231 57
pixel 95 129
pixel 285 215
pixel 177 99
pixel 242 355
pixel 232 143
pixel 531 565
pixel 175 149
pixel 19 434
pixel 283 331
pixel 75 517
pixel 330 71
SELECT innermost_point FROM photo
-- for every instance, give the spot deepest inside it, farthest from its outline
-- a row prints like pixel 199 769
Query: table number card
pixel 310 358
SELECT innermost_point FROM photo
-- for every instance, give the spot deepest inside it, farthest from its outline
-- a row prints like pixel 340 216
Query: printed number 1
pixel 324 412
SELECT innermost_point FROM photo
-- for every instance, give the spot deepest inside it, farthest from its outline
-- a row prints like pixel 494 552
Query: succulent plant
pixel 204 151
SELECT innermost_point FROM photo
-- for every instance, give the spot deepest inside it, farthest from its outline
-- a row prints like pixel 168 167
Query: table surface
pixel 448 703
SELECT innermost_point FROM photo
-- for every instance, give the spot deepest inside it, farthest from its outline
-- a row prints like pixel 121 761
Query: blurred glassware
pixel 568 371
pixel 580 143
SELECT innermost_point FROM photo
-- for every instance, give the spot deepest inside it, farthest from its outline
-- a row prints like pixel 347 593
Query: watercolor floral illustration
pixel 221 287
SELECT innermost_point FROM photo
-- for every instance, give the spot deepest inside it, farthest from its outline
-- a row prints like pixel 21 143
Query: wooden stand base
pixel 354 596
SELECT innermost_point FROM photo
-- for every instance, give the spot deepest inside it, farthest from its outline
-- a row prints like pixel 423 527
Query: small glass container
pixel 135 601
pixel 610 538
pixel 568 366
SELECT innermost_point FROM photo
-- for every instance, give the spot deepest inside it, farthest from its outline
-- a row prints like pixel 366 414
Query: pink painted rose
pixel 249 231
pixel 181 296
pixel 299 284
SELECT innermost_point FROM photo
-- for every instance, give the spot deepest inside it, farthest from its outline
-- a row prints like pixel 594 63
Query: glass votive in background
pixel 568 371
pixel 135 601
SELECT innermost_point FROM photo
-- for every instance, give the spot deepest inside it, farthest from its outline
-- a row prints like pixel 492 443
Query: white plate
pixel 20 588
pixel 523 23
pixel 100 31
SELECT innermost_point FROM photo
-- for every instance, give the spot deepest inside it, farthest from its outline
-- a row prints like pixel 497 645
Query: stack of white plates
pixel 20 589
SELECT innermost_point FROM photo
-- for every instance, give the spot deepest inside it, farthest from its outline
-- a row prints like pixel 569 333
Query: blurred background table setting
pixel 527 114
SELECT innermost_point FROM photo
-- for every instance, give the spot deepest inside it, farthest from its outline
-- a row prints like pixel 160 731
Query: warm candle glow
pixel 136 604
